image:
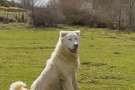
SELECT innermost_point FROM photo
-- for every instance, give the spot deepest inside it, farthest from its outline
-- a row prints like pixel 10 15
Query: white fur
pixel 60 71
pixel 19 85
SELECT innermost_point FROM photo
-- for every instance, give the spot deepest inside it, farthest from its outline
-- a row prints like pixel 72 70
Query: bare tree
pixel 47 15
pixel 131 14
pixel 27 4
pixel 103 13
pixel 70 9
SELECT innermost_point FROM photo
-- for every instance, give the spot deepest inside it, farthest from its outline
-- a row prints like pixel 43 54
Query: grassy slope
pixel 107 57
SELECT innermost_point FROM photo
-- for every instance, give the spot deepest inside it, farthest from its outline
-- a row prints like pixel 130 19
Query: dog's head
pixel 70 40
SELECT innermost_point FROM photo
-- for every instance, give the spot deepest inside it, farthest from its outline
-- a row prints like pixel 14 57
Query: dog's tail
pixel 18 85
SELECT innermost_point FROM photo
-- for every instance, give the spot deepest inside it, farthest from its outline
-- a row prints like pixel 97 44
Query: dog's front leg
pixel 67 85
pixel 75 83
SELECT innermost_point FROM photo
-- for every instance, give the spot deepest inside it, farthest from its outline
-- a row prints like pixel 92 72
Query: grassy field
pixel 107 57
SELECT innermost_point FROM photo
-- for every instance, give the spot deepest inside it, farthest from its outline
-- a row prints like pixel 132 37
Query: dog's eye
pixel 70 39
pixel 76 39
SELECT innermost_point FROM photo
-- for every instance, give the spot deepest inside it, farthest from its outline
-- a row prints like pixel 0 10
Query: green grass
pixel 107 57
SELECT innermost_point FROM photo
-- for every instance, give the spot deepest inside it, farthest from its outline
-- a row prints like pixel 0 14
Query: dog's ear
pixel 78 32
pixel 63 33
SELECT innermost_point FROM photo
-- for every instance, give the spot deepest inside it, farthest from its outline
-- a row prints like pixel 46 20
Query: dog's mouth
pixel 73 50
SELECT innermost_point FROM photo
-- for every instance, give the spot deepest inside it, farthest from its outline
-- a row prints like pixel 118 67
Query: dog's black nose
pixel 76 45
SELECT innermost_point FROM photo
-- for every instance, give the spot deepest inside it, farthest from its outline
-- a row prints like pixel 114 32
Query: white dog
pixel 60 71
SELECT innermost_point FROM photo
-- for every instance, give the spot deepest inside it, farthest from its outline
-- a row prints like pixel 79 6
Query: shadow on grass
pixel 112 37
pixel 109 77
pixel 93 64
pixel 116 52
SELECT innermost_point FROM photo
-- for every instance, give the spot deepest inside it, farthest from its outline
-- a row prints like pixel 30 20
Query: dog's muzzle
pixel 74 50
